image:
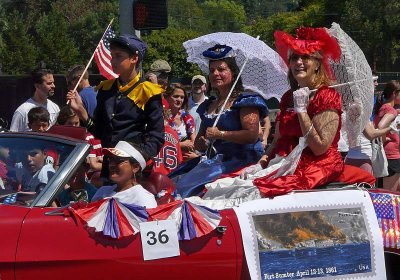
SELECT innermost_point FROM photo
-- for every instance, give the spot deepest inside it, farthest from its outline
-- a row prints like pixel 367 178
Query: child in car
pixel 126 163
pixel 77 188
pixel 95 158
pixel 37 173
pixel 39 121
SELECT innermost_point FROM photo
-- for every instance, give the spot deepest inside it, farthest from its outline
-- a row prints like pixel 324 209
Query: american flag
pixel 102 55
pixel 387 211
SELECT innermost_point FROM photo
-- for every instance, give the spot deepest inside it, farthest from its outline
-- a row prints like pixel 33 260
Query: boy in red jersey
pixel 170 155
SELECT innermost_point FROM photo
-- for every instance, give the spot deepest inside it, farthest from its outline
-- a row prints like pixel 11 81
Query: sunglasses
pixel 295 57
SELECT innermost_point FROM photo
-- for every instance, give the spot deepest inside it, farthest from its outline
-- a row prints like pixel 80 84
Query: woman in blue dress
pixel 236 134
pixel 235 139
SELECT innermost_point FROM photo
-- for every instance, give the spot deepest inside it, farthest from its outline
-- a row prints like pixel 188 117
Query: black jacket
pixel 130 113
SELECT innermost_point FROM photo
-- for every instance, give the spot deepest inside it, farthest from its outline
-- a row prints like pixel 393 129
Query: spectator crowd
pixel 141 123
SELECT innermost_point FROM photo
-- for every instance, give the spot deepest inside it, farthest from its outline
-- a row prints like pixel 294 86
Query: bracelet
pixel 222 134
pixel 89 123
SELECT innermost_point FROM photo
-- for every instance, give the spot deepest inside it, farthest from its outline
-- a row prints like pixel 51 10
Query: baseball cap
pixel 199 77
pixel 131 42
pixel 124 149
pixel 160 65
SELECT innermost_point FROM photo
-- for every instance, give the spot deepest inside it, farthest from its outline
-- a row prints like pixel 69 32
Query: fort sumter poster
pixel 312 235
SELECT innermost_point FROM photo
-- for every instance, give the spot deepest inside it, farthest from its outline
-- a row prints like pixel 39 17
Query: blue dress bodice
pixel 230 121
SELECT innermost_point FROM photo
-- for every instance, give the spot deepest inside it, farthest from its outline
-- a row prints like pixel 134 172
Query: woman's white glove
pixel 251 170
pixel 300 99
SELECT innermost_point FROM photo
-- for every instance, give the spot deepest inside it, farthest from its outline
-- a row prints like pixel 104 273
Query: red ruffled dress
pixel 312 170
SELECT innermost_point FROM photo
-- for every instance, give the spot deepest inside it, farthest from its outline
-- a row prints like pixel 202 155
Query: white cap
pixel 124 149
pixel 199 77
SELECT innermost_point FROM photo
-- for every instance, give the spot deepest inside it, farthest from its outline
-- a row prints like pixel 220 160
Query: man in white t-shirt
pixel 43 81
pixel 199 89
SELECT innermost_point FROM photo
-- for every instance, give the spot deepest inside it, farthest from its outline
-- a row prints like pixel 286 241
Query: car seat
pixel 160 186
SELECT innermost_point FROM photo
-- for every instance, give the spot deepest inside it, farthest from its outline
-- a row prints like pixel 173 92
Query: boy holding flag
pixel 128 108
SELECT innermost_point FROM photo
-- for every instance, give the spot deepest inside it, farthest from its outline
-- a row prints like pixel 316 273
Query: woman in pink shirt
pixel 384 116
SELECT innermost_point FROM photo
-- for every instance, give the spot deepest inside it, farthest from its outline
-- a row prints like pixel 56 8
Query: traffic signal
pixel 150 14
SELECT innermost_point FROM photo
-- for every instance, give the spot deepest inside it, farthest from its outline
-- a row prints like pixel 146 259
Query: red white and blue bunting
pixel 192 220
pixel 116 220
pixel 112 218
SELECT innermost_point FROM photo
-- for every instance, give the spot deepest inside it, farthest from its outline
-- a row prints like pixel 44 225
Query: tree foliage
pixel 224 15
pixel 65 32
pixel 375 27
pixel 186 14
pixel 167 45
pixel 287 21
pixel 59 50
pixel 59 32
pixel 17 54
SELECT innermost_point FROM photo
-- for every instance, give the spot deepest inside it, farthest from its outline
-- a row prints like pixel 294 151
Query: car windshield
pixel 27 164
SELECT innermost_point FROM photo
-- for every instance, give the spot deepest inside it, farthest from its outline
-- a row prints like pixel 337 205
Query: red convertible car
pixel 39 242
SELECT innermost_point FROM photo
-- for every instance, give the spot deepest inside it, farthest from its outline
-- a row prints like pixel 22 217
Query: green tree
pixel 311 15
pixel 392 19
pixel 86 25
pixel 3 24
pixel 75 24
pixel 58 50
pixel 167 44
pixel 223 15
pixel 186 14
pixel 263 9
pixel 17 54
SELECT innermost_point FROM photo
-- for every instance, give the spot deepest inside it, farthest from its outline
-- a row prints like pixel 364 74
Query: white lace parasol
pixel 265 71
pixel 356 85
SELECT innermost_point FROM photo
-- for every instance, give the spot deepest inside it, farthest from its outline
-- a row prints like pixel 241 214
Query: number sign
pixel 159 239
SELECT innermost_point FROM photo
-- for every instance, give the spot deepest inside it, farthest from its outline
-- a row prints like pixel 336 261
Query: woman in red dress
pixel 308 108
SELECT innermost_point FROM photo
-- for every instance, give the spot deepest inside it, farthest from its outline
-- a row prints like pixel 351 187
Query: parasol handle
pixel 348 83
pixel 232 88
pixel 210 147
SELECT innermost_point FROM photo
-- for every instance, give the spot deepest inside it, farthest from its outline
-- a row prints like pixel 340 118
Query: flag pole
pixel 91 58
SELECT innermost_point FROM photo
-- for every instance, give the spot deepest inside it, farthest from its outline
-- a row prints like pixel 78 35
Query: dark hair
pixel 75 72
pixel 170 90
pixel 38 74
pixel 232 65
pixel 129 51
pixel 65 113
pixel 146 157
pixel 392 89
pixel 162 77
pixel 38 114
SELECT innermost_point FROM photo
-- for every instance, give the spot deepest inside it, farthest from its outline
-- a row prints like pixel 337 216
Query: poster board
pixel 330 234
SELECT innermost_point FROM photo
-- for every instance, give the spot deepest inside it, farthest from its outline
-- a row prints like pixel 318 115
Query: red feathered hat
pixel 308 40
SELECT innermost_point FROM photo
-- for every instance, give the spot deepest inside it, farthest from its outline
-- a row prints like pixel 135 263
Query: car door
pixel 14 204
pixel 11 218
pixel 59 247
